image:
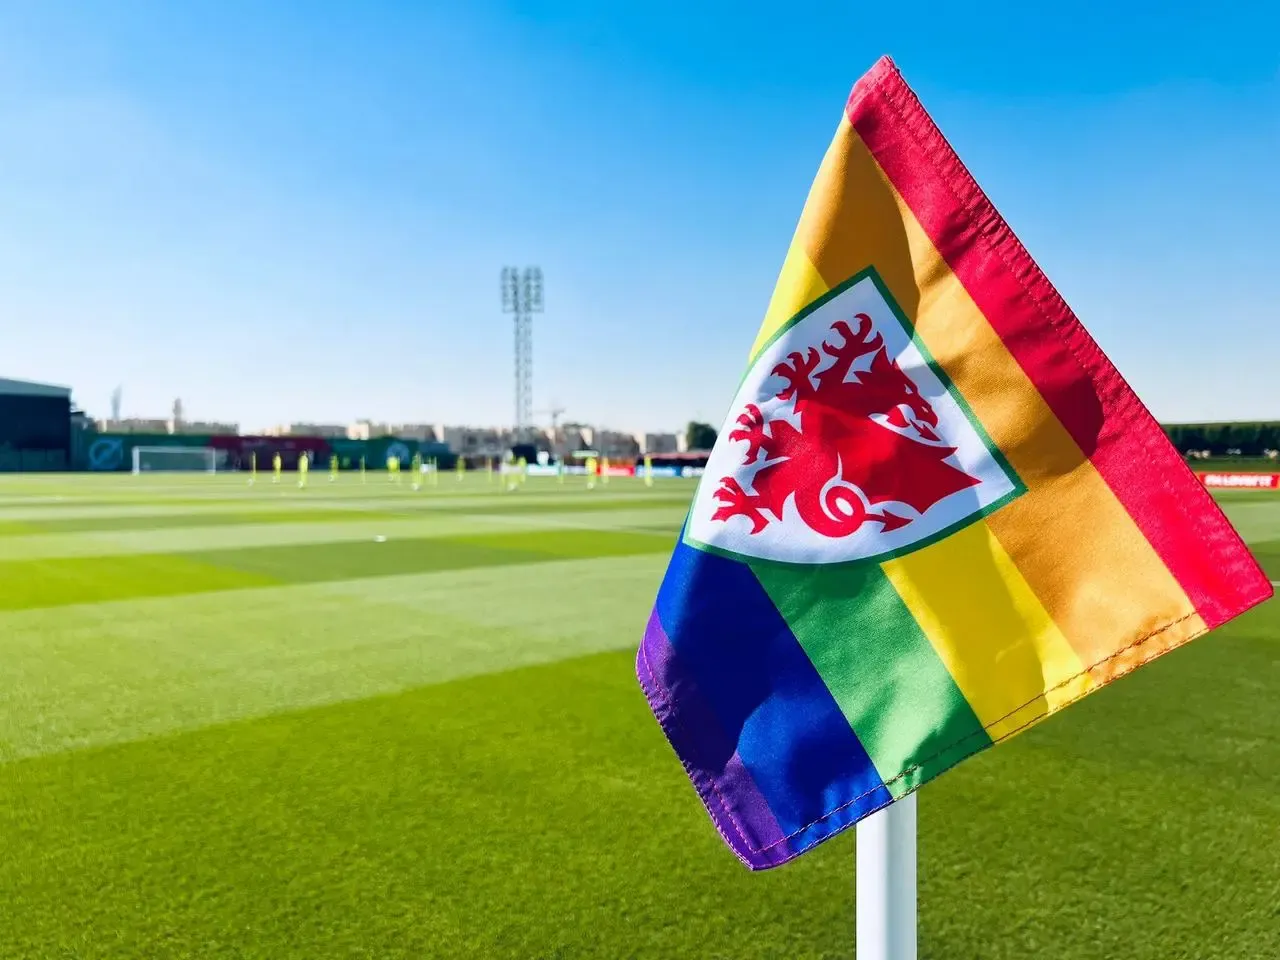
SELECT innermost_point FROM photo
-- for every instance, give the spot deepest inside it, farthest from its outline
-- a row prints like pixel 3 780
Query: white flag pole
pixel 886 881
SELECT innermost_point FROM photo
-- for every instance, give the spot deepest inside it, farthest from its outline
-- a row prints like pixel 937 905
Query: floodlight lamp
pixel 510 290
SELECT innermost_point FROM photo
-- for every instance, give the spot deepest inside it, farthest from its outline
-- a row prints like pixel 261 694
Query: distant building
pixel 134 425
pixel 655 444
pixel 330 430
pixel 82 422
pixel 577 436
pixel 616 445
pixel 475 441
pixel 422 432
pixel 552 440
pixel 169 426
pixel 211 428
pixel 370 430
pixel 35 426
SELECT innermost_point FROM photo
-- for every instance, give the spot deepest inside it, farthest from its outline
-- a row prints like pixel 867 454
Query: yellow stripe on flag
pixel 1006 654
pixel 798 284
pixel 1068 535
pixel 861 225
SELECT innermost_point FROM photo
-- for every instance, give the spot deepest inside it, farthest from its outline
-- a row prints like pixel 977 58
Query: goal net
pixel 175 460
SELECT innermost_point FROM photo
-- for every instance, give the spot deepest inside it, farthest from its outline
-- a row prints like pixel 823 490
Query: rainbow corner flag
pixel 936 515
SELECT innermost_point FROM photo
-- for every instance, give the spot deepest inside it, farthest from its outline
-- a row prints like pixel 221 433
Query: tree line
pixel 699 436
pixel 1246 439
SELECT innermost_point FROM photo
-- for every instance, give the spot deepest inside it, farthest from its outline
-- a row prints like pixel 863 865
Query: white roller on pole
pixel 886 883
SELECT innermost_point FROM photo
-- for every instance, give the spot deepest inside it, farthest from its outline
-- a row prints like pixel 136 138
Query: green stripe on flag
pixel 881 669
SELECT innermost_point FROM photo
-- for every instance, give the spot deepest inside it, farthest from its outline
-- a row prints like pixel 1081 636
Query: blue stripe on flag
pixel 790 734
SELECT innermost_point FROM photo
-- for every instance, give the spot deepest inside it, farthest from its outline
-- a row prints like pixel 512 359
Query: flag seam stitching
pixel 674 717
pixel 1081 347
pixel 661 705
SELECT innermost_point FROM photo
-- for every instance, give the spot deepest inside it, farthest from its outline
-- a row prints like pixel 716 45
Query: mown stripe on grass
pixel 661 522
pixel 388 821
pixel 92 674
pixel 1258 521
pixel 375 827
pixel 205 518
pixel 301 509
pixel 75 580
pixel 337 514
pixel 1268 554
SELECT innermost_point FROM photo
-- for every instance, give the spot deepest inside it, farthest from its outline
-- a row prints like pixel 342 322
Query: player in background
pixel 591 473
pixel 416 466
pixel 511 470
pixel 393 469
pixel 304 467
pixel 333 467
pixel 277 467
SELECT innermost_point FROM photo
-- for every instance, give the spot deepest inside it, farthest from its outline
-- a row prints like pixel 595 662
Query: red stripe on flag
pixel 1084 390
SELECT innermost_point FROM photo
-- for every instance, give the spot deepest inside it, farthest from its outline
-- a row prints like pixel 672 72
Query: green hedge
pixel 1251 439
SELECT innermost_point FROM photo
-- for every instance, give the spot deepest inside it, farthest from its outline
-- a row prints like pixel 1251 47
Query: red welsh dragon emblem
pixel 866 447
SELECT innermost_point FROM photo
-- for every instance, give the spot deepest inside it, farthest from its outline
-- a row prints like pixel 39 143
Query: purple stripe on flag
pixel 738 809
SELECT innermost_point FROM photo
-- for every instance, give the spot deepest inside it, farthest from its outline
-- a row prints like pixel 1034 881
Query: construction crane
pixel 554 412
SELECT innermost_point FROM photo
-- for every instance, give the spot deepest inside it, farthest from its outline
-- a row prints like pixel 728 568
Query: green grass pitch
pixel 234 723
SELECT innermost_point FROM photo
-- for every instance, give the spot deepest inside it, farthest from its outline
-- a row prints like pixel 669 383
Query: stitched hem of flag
pixel 687 743
pixel 661 705
pixel 1218 573
pixel 1114 431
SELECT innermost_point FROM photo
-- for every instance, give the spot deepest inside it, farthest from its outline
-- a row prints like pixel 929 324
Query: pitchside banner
pixel 109 452
pixel 1242 481
pixel 240 451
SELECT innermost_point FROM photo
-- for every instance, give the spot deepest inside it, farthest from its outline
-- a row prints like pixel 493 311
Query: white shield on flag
pixel 846 442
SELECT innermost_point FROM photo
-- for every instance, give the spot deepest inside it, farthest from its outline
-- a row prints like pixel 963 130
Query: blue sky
pixel 299 210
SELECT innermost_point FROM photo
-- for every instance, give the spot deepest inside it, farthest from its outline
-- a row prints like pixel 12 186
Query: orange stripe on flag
pixel 1068 533
pixel 1004 651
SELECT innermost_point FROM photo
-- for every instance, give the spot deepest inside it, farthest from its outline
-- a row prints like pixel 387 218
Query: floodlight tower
pixel 522 297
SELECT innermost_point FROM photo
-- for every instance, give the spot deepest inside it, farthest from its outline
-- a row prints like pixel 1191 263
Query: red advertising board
pixel 240 449
pixel 1242 481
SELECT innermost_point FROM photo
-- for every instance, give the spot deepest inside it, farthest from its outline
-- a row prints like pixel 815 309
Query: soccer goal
pixel 175 460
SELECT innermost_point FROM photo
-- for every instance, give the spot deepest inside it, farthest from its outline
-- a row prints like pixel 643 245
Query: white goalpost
pixel 175 460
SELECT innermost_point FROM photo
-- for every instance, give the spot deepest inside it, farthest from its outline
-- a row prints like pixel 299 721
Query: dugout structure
pixel 35 426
